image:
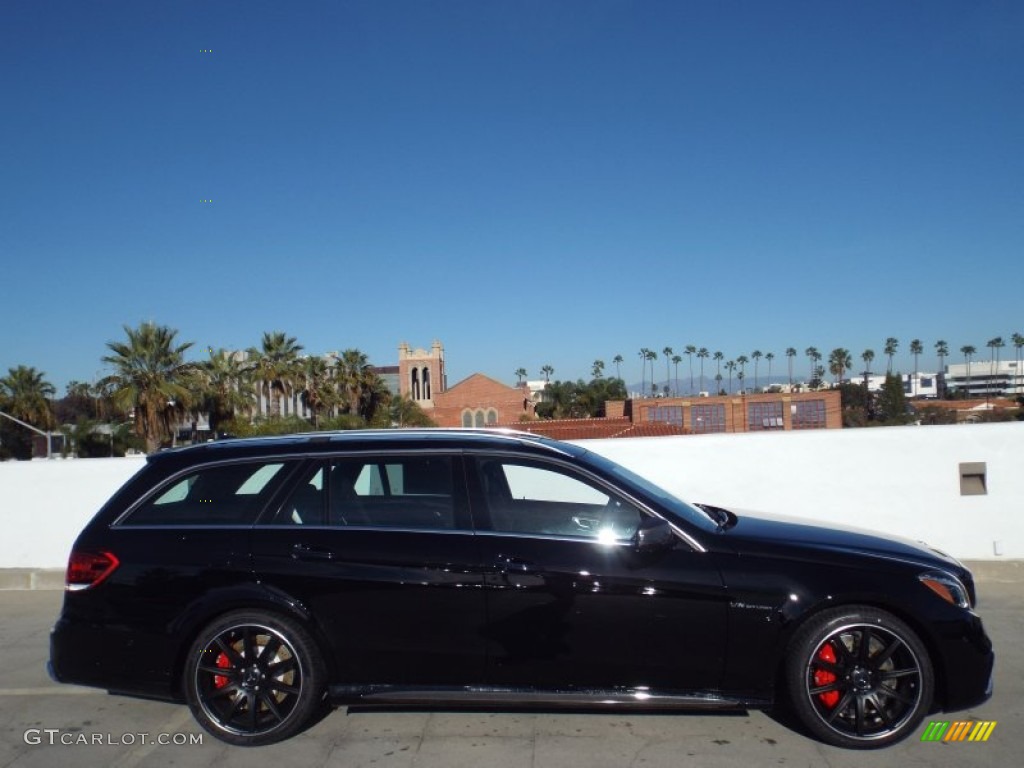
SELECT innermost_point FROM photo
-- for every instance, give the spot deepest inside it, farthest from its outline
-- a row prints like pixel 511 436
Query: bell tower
pixel 421 374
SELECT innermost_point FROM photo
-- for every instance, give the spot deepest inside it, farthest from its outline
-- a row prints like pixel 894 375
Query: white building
pixel 920 384
pixel 986 378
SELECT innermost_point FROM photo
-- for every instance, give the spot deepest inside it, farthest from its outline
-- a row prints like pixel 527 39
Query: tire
pixel 254 678
pixel 859 677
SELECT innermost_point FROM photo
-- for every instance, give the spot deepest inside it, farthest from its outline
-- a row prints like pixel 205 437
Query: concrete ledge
pixel 1002 572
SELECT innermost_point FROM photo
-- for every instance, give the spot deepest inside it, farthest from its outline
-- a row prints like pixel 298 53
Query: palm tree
pixel 916 348
pixel 757 355
pixel 317 389
pixel 967 350
pixel 618 362
pixel 358 385
pixel 769 356
pixel 730 366
pixel 742 360
pixel 652 356
pixel 942 350
pixel 993 366
pixel 150 378
pixel 868 355
pixel 644 351
pixel 690 351
pixel 814 356
pixel 891 345
pixel 1018 344
pixel 839 361
pixel 225 387
pixel 718 357
pixel 702 355
pixel 790 354
pixel 520 375
pixel 667 352
pixel 597 369
pixel 25 396
pixel 676 360
pixel 276 366
pixel 546 371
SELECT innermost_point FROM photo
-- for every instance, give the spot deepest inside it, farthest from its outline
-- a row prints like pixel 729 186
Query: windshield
pixel 667 501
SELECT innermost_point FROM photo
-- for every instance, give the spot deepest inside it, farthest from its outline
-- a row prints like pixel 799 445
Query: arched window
pixel 478 418
pixel 492 417
pixel 426 383
pixel 467 418
pixel 414 383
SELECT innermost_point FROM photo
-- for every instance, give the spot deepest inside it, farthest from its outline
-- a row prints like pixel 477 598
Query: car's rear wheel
pixel 859 677
pixel 254 678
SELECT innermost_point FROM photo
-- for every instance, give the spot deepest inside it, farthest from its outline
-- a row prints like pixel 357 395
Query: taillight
pixel 87 569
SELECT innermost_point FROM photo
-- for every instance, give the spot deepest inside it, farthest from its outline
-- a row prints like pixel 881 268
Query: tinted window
pixel 411 492
pixel 534 498
pixel 229 494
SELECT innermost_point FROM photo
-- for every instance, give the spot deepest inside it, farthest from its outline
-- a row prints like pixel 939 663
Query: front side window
pixel 227 494
pixel 533 498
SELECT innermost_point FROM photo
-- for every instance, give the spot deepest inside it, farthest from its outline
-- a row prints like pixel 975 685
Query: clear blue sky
pixel 531 182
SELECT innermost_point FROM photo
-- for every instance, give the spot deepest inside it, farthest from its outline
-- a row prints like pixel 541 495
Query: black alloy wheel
pixel 254 678
pixel 859 677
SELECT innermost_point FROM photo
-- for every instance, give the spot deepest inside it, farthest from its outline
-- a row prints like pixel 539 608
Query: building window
pixel 426 383
pixel 467 418
pixel 762 416
pixel 414 383
pixel 478 419
pixel 666 414
pixel 492 417
pixel 808 414
pixel 707 418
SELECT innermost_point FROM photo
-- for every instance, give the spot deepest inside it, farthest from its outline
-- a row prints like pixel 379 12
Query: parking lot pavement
pixel 45 724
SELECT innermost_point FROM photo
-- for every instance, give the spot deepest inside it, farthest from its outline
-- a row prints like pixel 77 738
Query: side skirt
pixel 477 696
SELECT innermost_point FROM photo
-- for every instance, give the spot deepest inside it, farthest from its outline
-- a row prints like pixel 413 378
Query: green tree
pixel 275 366
pixel 408 413
pixel 839 361
pixel 690 351
pixel 24 394
pixel 617 360
pixel 868 356
pixel 1018 345
pixel 597 369
pixel 814 356
pixel 769 356
pixel 941 351
pixel 358 385
pixel 676 360
pixel 226 388
pixel 730 366
pixel 967 350
pixel 520 375
pixel 891 345
pixel 317 388
pixel 790 354
pixel 152 379
pixel 993 365
pixel 892 401
pixel 916 349
pixel 718 357
pixel 667 352
pixel 757 354
pixel 546 372
pixel 702 355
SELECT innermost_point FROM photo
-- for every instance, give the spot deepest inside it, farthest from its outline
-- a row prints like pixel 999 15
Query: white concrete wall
pixel 44 504
pixel 900 480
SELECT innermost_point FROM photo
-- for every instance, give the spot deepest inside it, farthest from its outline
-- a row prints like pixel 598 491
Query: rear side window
pixel 228 494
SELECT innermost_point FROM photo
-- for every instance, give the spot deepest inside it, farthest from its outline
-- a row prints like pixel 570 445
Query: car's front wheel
pixel 254 678
pixel 859 677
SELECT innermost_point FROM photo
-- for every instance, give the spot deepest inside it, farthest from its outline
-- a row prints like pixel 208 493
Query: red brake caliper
pixel 824 677
pixel 219 681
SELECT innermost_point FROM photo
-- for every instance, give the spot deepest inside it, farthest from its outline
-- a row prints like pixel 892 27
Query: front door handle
pixel 306 552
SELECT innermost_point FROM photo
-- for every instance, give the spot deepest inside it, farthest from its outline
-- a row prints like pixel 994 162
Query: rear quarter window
pixel 227 494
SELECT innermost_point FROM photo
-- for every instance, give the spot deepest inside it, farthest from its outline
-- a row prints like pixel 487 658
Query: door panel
pixel 390 570
pixel 571 604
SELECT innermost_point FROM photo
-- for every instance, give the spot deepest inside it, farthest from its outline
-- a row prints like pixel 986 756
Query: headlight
pixel 946 586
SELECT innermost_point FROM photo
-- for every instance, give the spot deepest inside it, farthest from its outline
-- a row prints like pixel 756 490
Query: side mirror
pixel 653 535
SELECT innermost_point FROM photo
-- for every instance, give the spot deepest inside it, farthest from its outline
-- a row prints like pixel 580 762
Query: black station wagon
pixel 263 580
